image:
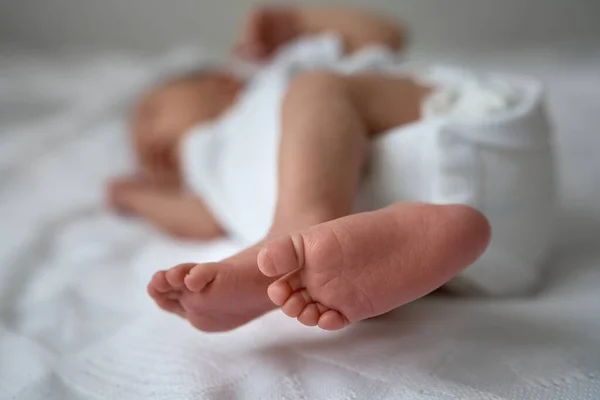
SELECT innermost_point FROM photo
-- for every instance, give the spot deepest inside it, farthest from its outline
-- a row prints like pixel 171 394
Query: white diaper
pixel 484 141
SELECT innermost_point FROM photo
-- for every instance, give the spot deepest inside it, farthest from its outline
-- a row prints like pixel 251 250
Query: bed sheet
pixel 75 322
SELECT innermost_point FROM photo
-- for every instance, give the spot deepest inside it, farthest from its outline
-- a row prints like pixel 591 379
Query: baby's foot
pixel 367 264
pixel 214 297
pixel 119 190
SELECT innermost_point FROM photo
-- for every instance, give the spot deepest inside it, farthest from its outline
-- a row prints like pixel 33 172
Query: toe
pixel 296 303
pixel 172 306
pixel 159 282
pixel 168 300
pixel 153 292
pixel 280 290
pixel 310 315
pixel 281 256
pixel 332 320
pixel 176 275
pixel 173 295
pixel 200 276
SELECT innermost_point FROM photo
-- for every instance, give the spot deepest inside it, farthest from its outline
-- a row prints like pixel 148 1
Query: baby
pixel 316 261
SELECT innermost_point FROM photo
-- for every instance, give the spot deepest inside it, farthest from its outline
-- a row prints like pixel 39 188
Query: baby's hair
pixel 191 75
pixel 187 71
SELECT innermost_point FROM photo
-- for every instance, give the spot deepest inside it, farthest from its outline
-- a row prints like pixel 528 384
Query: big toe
pixel 201 276
pixel 281 256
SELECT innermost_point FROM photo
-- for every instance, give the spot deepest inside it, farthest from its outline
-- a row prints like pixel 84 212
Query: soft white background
pixel 156 24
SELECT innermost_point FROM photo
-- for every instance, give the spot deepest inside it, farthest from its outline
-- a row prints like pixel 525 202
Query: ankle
pixel 284 224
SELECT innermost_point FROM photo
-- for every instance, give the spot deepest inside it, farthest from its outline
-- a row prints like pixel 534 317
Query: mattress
pixel 75 322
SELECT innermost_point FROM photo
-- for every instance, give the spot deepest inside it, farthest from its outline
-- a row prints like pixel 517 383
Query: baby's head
pixel 167 111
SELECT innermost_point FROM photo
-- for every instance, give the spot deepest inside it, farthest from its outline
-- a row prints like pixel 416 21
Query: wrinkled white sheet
pixel 75 322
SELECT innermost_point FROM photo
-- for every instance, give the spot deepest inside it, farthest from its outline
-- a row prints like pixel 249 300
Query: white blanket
pixel 75 322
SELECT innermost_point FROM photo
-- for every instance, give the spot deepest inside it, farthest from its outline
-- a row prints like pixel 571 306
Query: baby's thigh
pixel 388 101
pixel 382 101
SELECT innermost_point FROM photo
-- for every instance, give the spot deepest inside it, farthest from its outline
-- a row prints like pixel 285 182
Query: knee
pixel 317 79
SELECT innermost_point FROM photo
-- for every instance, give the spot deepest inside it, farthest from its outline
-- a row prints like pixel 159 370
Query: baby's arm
pixel 269 27
pixel 179 214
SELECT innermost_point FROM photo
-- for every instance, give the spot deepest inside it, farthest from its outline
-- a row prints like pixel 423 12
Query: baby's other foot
pixel 214 297
pixel 167 287
pixel 120 190
pixel 367 264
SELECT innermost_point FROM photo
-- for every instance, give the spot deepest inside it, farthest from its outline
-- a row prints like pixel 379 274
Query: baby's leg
pixel 327 122
pixel 334 273
pixel 323 147
pixel 178 214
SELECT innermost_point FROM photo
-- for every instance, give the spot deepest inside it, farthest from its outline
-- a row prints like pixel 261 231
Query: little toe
pixel 153 292
pixel 296 303
pixel 200 276
pixel 159 282
pixel 281 256
pixel 310 315
pixel 176 275
pixel 332 320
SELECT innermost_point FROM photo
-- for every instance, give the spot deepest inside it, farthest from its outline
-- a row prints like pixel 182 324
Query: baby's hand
pixel 122 194
pixel 267 28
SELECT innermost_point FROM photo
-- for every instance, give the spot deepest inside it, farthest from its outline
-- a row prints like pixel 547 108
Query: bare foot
pixel 214 297
pixel 367 264
pixel 177 213
pixel 119 190
pixel 334 273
